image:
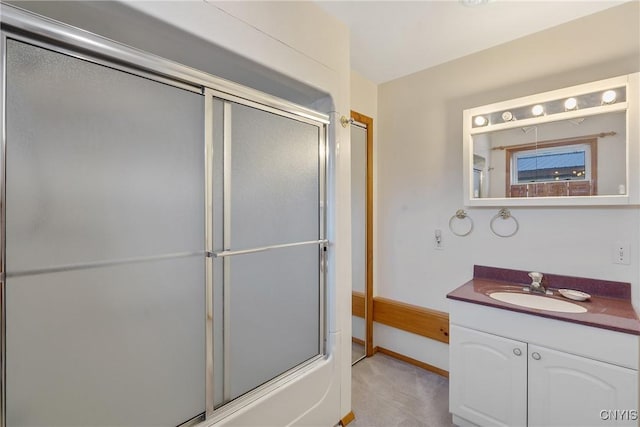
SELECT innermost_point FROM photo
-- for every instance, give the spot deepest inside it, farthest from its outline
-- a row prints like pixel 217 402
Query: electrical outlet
pixel 438 240
pixel 621 253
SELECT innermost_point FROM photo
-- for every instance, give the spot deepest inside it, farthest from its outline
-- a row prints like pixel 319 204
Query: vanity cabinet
pixel 487 378
pixel 512 369
pixel 569 390
pixel 497 381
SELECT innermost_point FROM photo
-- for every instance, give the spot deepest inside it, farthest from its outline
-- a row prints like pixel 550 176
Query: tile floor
pixel 387 392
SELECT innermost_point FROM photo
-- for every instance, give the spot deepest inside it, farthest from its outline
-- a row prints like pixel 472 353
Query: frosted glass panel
pixel 101 164
pixel 274 314
pixel 116 346
pixel 274 179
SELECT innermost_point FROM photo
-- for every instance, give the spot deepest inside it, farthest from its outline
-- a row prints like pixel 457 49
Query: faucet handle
pixel 535 276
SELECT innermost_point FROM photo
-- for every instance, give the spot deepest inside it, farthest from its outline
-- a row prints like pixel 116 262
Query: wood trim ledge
pixel 357 304
pixel 347 418
pixel 413 362
pixel 412 318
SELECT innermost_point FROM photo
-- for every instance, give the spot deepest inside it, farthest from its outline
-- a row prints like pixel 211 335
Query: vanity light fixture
pixel 480 121
pixel 609 97
pixel 570 104
pixel 507 116
pixel 537 110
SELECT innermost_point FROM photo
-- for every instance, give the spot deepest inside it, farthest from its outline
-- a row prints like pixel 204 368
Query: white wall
pixel 364 100
pixel 364 96
pixel 419 175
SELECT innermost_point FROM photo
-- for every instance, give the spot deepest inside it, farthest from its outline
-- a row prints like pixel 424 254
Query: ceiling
pixel 391 39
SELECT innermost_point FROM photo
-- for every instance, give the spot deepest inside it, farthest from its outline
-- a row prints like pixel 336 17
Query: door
pixel 358 239
pixel 104 208
pixel 268 243
pixel 570 390
pixel 488 378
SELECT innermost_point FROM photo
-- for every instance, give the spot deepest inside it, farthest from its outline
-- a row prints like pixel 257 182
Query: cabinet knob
pixel 517 351
pixel 536 355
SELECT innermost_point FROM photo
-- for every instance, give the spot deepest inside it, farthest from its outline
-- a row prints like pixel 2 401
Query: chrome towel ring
pixel 461 215
pixel 504 214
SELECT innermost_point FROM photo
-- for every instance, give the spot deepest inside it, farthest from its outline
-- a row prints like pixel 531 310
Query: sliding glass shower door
pixel 163 246
pixel 104 245
pixel 269 244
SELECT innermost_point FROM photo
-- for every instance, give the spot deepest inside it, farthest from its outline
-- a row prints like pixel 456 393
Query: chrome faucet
pixel 536 283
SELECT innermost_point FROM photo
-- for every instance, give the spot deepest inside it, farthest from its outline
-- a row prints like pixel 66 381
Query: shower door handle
pixel 227 253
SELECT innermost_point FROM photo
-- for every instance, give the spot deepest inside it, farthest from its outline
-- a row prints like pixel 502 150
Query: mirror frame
pixel 632 197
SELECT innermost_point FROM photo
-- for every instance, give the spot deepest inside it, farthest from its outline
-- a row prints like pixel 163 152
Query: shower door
pixel 104 213
pixel 268 242
pixel 162 252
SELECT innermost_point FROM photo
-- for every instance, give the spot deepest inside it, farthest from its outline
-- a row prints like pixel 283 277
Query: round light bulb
pixel 480 121
pixel 570 104
pixel 507 116
pixel 609 96
pixel 537 110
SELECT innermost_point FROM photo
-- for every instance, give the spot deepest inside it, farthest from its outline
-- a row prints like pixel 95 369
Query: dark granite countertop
pixel 609 306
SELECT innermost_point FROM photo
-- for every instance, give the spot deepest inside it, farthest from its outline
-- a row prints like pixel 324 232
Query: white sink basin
pixel 537 301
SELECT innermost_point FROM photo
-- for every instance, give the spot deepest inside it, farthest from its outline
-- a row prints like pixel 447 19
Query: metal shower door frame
pixel 226 254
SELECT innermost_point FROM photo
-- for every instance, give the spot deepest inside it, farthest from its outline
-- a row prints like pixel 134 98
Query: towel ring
pixel 461 215
pixel 505 214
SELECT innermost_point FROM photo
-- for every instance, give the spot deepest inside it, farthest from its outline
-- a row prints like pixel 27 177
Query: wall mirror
pixel 573 146
pixel 361 236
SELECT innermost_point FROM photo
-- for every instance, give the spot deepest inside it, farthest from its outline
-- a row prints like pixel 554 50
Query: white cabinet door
pixel 488 378
pixel 568 390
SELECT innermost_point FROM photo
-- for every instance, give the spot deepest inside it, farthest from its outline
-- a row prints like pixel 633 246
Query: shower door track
pixel 96 49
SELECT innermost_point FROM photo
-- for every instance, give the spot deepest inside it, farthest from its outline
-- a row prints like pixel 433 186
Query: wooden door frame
pixel 368 300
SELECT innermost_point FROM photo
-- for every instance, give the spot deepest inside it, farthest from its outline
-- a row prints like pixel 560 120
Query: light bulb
pixel 570 104
pixel 480 120
pixel 609 97
pixel 507 116
pixel 537 110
